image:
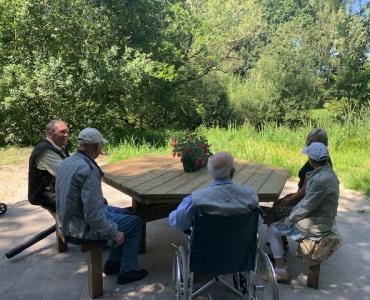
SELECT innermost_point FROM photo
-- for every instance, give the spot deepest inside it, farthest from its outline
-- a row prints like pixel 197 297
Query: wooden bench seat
pixel 95 260
pixel 62 246
pixel 314 253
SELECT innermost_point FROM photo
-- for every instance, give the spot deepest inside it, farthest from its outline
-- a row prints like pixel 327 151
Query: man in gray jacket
pixel 222 197
pixel 83 216
pixel 314 216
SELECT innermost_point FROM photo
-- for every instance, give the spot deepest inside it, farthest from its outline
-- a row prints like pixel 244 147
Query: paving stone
pixel 42 273
pixel 66 289
pixel 11 272
pixel 5 287
pixel 24 289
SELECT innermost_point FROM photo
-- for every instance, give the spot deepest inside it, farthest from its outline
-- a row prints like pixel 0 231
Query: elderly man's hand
pixel 119 238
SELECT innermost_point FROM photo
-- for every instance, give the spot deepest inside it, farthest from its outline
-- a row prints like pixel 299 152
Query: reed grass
pixel 349 146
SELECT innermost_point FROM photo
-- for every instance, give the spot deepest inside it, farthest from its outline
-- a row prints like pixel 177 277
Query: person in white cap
pixel 83 216
pixel 314 216
pixel 284 206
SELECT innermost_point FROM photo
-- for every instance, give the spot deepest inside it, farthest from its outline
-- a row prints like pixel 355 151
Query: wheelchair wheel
pixel 3 208
pixel 179 275
pixel 264 285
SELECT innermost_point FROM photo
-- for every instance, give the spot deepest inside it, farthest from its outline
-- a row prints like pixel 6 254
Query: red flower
pixel 191 146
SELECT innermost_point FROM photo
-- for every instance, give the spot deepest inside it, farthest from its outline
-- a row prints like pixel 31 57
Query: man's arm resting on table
pixel 182 217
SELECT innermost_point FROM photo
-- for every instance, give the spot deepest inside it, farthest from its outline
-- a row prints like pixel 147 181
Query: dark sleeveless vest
pixel 40 181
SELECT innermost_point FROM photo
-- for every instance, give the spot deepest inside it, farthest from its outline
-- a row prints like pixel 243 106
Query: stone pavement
pixel 41 273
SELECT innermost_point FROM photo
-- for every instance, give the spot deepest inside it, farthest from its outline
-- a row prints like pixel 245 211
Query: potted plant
pixel 193 150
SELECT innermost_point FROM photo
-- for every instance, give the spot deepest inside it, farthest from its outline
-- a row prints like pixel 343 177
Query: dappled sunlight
pixel 141 292
pixel 344 275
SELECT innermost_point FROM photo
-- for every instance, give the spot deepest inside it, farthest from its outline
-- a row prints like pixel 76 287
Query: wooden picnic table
pixel 157 184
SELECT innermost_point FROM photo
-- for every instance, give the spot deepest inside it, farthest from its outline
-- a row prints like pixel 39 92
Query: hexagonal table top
pixel 161 179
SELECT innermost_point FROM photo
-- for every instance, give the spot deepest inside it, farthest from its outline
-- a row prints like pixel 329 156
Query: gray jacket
pixel 315 213
pixel 226 199
pixel 80 208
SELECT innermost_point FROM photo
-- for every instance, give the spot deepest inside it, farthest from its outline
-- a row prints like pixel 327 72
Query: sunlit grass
pixel 14 155
pixel 349 146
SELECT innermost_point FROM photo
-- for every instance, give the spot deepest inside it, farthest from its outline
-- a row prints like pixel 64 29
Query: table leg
pixel 138 208
pixel 142 249
pixel 148 213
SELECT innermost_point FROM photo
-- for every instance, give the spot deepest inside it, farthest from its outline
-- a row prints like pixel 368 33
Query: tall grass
pixel 132 147
pixel 349 149
pixel 349 146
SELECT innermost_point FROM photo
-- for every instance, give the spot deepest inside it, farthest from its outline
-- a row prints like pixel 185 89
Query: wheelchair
pixel 224 246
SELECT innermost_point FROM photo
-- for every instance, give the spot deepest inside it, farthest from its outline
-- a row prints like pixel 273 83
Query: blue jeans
pixel 131 226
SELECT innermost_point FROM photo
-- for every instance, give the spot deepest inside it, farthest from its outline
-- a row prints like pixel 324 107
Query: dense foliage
pixel 122 64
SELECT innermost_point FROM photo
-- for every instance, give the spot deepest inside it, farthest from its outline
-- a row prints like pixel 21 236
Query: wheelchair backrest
pixel 224 244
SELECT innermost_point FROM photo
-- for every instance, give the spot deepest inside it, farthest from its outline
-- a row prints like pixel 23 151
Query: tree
pixel 284 85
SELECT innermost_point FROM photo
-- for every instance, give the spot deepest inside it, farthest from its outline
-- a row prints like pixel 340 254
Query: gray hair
pixel 220 165
pixel 318 135
pixel 51 125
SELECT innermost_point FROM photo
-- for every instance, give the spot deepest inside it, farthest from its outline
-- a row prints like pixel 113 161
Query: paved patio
pixel 41 273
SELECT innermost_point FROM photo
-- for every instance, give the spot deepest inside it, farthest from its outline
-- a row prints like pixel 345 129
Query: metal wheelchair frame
pixel 258 284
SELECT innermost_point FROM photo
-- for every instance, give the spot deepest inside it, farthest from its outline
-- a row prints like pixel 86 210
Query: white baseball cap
pixel 91 136
pixel 316 151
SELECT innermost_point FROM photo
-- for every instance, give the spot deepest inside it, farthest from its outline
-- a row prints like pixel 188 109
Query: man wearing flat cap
pixel 314 216
pixel 83 216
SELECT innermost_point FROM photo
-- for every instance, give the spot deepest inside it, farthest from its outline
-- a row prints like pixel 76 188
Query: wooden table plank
pixel 248 169
pixel 200 181
pixel 146 178
pixel 259 177
pixel 175 183
pixel 119 185
pixel 274 184
pixel 131 169
pixel 159 181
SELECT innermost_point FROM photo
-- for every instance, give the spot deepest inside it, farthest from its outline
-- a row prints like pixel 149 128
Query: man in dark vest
pixel 44 162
